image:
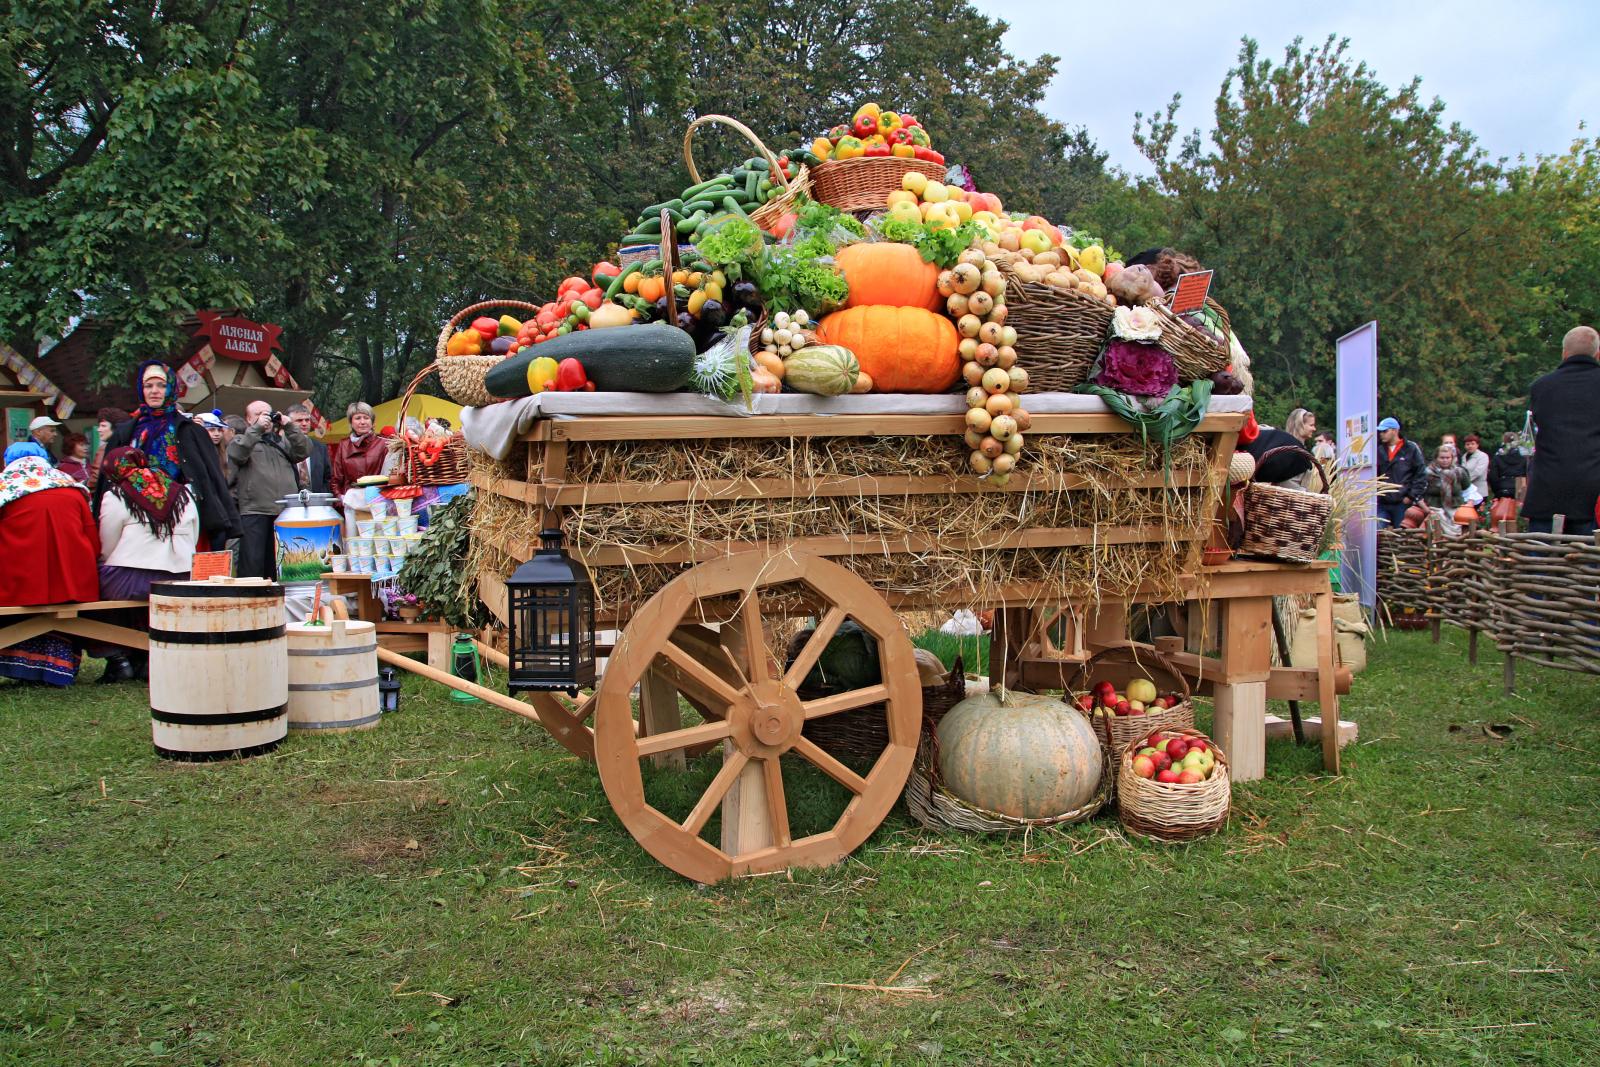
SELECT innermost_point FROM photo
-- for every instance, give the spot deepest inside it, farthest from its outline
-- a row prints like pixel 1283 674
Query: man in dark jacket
pixel 1401 462
pixel 314 468
pixel 1506 467
pixel 1564 478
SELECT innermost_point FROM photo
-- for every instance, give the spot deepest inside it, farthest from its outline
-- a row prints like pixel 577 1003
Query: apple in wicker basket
pixel 1174 758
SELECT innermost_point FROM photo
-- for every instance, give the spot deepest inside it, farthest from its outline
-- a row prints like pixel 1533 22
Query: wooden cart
pixel 705 610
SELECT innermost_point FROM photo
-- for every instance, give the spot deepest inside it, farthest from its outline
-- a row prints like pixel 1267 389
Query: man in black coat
pixel 1564 477
pixel 1506 467
pixel 1401 462
pixel 314 468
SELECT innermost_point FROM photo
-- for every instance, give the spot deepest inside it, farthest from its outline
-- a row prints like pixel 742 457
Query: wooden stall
pixel 711 539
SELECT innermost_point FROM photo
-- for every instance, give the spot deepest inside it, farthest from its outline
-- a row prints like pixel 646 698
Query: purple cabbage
pixel 1136 368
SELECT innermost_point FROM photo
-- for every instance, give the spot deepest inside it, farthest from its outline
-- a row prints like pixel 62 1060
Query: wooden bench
pixel 68 619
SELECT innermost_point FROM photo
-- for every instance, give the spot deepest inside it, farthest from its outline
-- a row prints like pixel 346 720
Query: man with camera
pixel 264 457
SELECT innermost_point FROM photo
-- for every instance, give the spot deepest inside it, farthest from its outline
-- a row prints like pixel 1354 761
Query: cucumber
pixel 656 209
pixel 640 239
pixel 700 204
pixel 616 283
pixel 687 225
pixel 734 206
pixel 751 184
pixel 757 164
pixel 634 359
pixel 705 186
pixel 650 225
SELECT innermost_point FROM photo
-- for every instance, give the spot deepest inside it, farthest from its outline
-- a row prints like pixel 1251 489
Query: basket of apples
pixel 1153 695
pixel 1172 785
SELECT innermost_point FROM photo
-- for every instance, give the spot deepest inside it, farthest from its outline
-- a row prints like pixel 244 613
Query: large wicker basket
pixel 420 464
pixel 1116 732
pixel 857 738
pixel 1282 523
pixel 1059 331
pixel 1171 811
pixel 463 375
pixel 864 183
pixel 793 188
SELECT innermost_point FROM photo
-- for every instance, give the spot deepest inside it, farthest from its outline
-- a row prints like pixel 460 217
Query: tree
pixel 1324 200
pixel 129 165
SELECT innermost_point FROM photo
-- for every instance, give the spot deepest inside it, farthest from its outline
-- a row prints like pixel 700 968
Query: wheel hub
pixel 768 719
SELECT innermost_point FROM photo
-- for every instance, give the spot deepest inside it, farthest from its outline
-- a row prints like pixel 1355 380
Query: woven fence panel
pixel 1403 571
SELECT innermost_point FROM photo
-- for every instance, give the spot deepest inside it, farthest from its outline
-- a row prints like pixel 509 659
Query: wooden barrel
pixel 218 668
pixel 333 676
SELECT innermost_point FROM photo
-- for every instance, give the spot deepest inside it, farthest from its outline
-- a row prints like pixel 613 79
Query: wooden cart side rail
pixel 555 494
pixel 656 427
pixel 852 545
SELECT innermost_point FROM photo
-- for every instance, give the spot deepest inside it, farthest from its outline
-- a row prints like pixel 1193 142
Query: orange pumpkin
pixel 903 349
pixel 890 274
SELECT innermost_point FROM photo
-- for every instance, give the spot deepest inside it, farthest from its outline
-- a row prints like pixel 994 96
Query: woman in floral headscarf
pixel 48 541
pixel 180 448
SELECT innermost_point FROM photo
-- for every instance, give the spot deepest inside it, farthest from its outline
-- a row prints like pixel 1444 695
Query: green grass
pixel 453 888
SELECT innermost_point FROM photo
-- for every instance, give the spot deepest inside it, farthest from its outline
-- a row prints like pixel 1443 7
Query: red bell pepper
pixel 604 270
pixel 929 154
pixel 909 120
pixel 899 136
pixel 488 328
pixel 877 150
pixel 865 126
pixel 571 378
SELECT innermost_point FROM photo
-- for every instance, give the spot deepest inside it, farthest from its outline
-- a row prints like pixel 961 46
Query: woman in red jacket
pixel 358 456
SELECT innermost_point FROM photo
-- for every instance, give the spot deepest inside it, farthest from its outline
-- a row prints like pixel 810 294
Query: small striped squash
pixel 1020 754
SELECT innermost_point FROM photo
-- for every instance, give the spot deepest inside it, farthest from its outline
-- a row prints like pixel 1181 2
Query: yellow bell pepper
pixel 849 148
pixel 465 343
pixel 904 151
pixel 822 148
pixel 541 374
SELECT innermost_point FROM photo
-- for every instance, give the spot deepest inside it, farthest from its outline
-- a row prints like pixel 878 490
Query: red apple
pixel 1167 775
pixel 1190 777
pixel 1086 702
pixel 1162 761
pixel 1144 767
pixel 1177 748
pixel 1105 691
pixel 1199 744
pixel 1123 708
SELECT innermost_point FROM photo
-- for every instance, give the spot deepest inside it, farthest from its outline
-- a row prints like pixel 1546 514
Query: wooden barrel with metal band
pixel 218 668
pixel 333 676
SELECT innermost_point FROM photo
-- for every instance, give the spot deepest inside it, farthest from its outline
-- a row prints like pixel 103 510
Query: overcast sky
pixel 1519 75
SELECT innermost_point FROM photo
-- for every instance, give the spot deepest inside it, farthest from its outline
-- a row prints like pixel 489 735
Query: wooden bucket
pixel 218 668
pixel 333 677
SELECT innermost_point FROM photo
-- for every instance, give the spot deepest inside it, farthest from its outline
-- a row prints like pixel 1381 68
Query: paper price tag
pixel 1190 295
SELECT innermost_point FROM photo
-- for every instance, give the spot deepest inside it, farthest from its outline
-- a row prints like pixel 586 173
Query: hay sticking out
pixel 946 577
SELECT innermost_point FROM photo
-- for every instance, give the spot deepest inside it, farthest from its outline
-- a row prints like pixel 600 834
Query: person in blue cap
pixel 1401 462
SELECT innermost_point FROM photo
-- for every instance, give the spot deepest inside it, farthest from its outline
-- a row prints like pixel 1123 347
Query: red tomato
pixel 593 298
pixel 573 282
pixel 604 270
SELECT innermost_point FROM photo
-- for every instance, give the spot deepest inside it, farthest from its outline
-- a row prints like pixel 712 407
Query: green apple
pixel 1142 690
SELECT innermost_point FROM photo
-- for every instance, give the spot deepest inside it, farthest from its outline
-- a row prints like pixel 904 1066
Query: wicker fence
pixel 1537 596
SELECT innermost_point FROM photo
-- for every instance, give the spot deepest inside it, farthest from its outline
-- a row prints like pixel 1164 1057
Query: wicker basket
pixel 1116 732
pixel 793 188
pixel 1286 524
pixel 1169 811
pixel 1059 331
pixel 1197 352
pixel 422 466
pixel 857 738
pixel 864 183
pixel 463 375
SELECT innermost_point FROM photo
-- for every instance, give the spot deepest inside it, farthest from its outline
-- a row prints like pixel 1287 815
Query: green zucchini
pixel 633 359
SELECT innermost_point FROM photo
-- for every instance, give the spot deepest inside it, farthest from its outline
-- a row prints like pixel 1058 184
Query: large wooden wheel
pixel 703 632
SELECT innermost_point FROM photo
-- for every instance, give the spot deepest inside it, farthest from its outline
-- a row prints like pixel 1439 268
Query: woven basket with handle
pixel 1195 349
pixel 864 183
pixel 1059 331
pixel 422 464
pixel 793 188
pixel 1116 732
pixel 1173 811
pixel 1282 523
pixel 463 375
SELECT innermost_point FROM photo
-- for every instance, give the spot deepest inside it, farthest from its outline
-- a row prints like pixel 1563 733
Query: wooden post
pixel 1510 675
pixel 1472 647
pixel 1106 624
pixel 1327 695
pixel 1240 721
pixel 746 822
pixel 659 714
pixel 439 651
pixel 1283 656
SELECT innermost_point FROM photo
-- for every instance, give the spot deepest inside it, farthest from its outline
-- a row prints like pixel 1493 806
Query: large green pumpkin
pixel 1020 754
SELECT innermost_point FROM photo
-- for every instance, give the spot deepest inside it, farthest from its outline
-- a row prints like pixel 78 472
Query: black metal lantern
pixel 388 691
pixel 552 621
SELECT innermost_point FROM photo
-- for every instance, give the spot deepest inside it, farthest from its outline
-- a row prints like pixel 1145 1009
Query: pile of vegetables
pixel 874 132
pixel 733 194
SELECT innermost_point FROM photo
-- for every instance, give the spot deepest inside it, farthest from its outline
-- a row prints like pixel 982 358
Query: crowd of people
pixel 1558 477
pixel 80 524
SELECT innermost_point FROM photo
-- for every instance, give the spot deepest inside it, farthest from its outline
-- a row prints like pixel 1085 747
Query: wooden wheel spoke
pixel 750 644
pixel 830 766
pixel 714 793
pixel 777 804
pixel 673 740
pixel 849 701
pixel 827 626
pixel 692 672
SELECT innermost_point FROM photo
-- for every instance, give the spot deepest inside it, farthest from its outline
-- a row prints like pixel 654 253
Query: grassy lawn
pixel 453 888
